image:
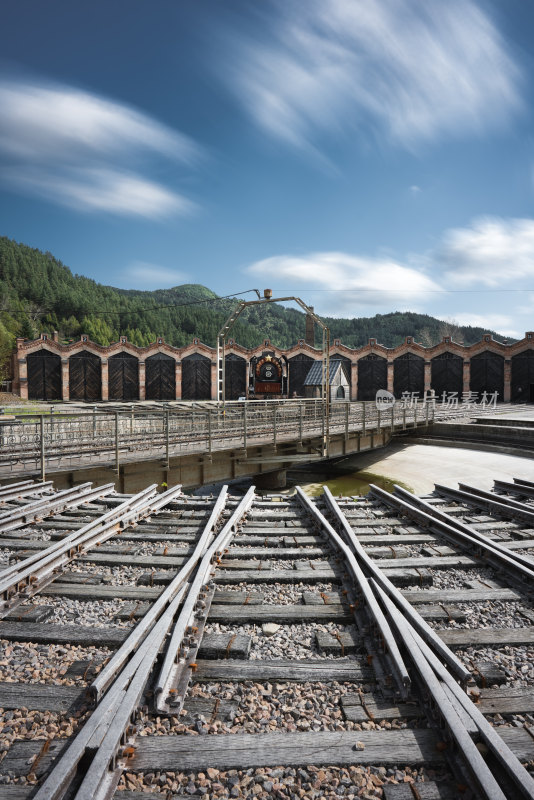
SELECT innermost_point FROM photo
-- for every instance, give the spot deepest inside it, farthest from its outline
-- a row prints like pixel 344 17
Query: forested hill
pixel 39 293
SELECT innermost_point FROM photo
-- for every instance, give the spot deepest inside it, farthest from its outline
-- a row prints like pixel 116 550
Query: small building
pixel 337 381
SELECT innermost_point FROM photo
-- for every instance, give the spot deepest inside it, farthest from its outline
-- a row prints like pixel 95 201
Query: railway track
pixel 163 645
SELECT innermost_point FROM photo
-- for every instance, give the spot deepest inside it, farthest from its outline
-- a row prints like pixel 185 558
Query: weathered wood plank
pixel 285 671
pixel 280 749
pixel 210 708
pixel 224 645
pixel 62 634
pixel 266 553
pixel 341 644
pixel 101 591
pixel 365 707
pixel 487 637
pixel 435 562
pixel 232 614
pixel 277 576
pixel 426 791
pixel 460 595
pixel 29 614
pixel 40 697
pixel 238 598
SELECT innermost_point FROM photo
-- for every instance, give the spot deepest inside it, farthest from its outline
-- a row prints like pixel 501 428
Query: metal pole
pixel 415 415
pixel 274 426
pixel 41 427
pixel 167 437
pixel 347 407
pixel 363 418
pixel 426 409
pixel 94 422
pixel 209 431
pixel 300 423
pixel 117 442
pixel 392 418
pixel 245 426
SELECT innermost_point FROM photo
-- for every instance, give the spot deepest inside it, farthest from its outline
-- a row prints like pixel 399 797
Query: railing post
pixel 378 416
pixel 117 442
pixel 347 407
pixel 94 422
pixel 404 418
pixel 274 426
pixel 300 423
pixel 426 409
pixel 245 426
pixel 41 428
pixel 167 438
pixel 132 420
pixel 209 431
pixel 363 418
pixel 392 418
pixel 415 415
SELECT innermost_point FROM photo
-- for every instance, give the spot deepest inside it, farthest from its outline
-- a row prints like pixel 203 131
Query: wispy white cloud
pixel 349 282
pixel 407 70
pixel 492 252
pixel 147 275
pixel 77 149
pixel 503 323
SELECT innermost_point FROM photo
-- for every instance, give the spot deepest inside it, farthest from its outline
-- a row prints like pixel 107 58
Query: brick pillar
pixel 105 380
pixel 507 380
pixel 142 380
pixel 391 368
pixel 214 380
pixel 354 380
pixel 23 378
pixel 65 394
pixel 467 374
pixel 428 375
pixel 178 374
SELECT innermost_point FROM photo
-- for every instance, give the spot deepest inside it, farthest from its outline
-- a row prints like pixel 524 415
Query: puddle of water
pixel 350 485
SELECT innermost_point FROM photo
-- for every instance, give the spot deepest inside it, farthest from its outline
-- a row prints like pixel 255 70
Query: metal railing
pixel 110 436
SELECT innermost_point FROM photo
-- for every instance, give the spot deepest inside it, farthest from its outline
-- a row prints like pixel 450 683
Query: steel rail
pixel 497 555
pixel 507 759
pixel 171 667
pixel 391 649
pixel 478 768
pixel 518 488
pixel 44 507
pixel 508 501
pixel 28 575
pixel 493 548
pixel 90 737
pixel 503 508
pixel 428 633
pixel 115 664
pixel 108 727
pixel 524 482
pixel 17 491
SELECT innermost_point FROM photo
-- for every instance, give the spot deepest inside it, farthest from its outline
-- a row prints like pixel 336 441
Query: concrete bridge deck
pixel 198 443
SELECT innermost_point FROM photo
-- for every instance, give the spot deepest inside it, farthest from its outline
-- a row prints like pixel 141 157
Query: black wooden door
pixel 372 376
pixel 44 375
pixel 487 374
pixel 196 377
pixel 160 377
pixel 409 374
pixel 123 373
pixel 298 368
pixel 523 377
pixel 85 376
pixel 447 374
pixel 235 377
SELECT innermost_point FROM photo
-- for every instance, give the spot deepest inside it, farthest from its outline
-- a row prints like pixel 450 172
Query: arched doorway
pixel 196 377
pixel 85 376
pixel 235 377
pixel 160 377
pixel 44 375
pixel 298 368
pixel 409 375
pixel 523 377
pixel 123 371
pixel 372 376
pixel 487 374
pixel 447 374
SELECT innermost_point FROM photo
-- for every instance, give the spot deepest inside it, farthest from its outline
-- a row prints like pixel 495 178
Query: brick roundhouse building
pixel 44 369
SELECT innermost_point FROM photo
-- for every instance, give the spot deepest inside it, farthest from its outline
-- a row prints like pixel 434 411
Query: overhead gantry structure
pixel 268 298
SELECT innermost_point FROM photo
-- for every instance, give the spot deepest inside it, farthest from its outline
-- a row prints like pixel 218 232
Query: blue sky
pixel 367 155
